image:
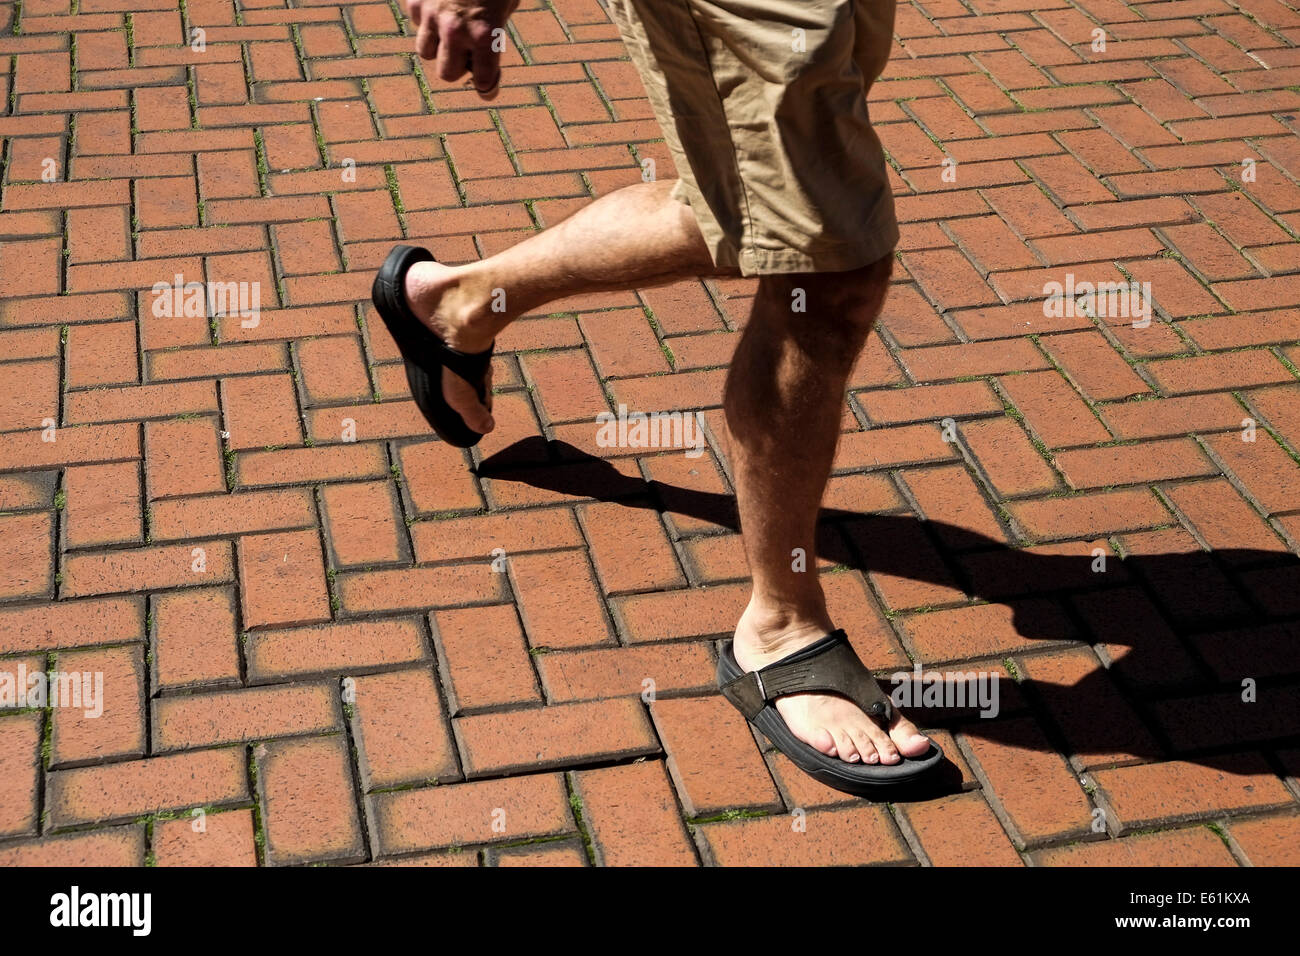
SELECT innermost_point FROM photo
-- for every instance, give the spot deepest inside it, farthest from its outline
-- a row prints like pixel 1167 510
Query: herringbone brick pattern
pixel 345 644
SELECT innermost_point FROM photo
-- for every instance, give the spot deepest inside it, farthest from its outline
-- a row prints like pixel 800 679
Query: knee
pixel 831 312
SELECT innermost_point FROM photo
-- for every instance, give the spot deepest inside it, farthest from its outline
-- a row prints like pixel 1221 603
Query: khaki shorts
pixel 763 107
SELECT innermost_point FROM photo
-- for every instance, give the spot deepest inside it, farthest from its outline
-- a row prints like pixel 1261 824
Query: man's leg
pixel 783 399
pixel 634 237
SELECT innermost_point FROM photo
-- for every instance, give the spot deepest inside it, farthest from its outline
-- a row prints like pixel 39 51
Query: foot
pixel 829 723
pixel 442 302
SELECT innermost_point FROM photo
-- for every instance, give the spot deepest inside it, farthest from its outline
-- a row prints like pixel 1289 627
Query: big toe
pixel 909 741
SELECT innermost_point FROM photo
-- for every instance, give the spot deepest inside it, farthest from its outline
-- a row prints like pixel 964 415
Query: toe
pixel 862 741
pixel 461 396
pixel 821 739
pixel 844 745
pixel 910 741
pixel 884 746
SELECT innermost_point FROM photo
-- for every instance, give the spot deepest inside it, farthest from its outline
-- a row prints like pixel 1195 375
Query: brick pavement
pixel 294 595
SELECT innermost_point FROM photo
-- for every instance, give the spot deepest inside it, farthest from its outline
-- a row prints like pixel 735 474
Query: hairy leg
pixel 634 237
pixel 783 398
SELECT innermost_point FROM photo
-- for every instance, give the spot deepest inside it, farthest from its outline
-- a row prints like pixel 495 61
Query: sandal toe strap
pixel 828 666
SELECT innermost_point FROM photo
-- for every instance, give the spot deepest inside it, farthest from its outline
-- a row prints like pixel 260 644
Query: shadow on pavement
pixel 1185 633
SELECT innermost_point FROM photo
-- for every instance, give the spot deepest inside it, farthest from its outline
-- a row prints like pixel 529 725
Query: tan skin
pixel 783 390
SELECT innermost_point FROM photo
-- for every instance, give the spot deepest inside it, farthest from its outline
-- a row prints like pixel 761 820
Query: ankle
pixel 481 303
pixel 461 307
pixel 768 625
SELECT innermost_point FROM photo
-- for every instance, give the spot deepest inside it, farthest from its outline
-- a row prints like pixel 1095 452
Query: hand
pixel 458 35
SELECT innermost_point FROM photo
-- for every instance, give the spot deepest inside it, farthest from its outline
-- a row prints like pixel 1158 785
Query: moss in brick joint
pixel 390 177
pixel 259 826
pixel 331 576
pixel 575 803
pixel 729 815
pixel 263 170
pixel 232 479
pixel 47 748
pixel 451 168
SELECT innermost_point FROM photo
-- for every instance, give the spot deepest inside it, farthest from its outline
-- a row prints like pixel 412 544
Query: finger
pixel 485 63
pixel 453 50
pixel 426 39
pixel 413 7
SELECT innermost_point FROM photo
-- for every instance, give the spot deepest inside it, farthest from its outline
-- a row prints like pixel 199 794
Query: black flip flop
pixel 828 666
pixel 424 353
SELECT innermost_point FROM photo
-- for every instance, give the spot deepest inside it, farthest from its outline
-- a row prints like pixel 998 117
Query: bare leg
pixel 782 402
pixel 635 237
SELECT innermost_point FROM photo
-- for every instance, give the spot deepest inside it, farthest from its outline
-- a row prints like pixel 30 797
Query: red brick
pixel 961 830
pixel 71 624
pixel 948 493
pixel 333 648
pixel 984 629
pixel 419 588
pixel 1173 416
pixel 554 736
pixel 240 513
pixel 194 639
pixel 852 836
pixel 103 505
pixel 128 789
pixel 362 522
pixel 1179 791
pixel 20 764
pixel 333 369
pixel 296 465
pixel 1030 781
pixel 136 403
pixel 102 354
pixel 308 804
pixel 197 720
pixel 1133 464
pixel 183 458
pixel 1197 846
pixel 223 839
pixel 715 770
pixel 506 810
pixel 1222 517
pixel 400 731
pixel 1268 841
pixel 1267 472
pixel 260 411
pixel 29 394
pixel 632 816
pixel 112 723
pixel 558 599
pixel 1009 459
pixel 693 612
pixel 282 579
pixel 485 658
pixel 1076 516
pixel 624 671
pixel 550 854
pixel 438 480
pixel 120 846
